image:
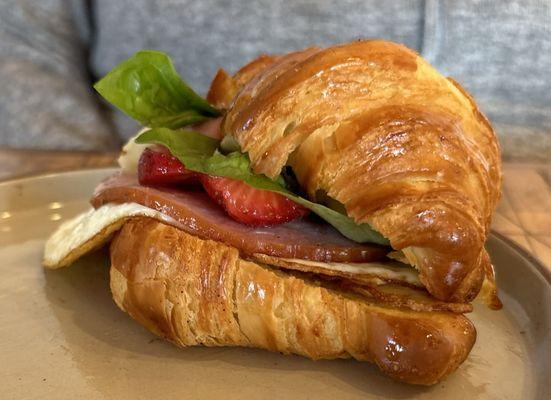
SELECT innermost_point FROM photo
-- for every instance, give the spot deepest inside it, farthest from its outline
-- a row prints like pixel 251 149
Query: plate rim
pixel 532 259
pixel 34 175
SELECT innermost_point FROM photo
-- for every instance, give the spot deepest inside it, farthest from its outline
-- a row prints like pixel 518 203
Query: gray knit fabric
pixel 51 51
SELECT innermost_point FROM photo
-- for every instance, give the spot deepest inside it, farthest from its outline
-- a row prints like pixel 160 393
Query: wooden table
pixel 523 215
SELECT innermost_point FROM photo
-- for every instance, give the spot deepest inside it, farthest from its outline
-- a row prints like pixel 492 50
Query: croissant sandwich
pixel 330 203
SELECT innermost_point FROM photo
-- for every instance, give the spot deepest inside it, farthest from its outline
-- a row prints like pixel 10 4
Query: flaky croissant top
pixel 373 125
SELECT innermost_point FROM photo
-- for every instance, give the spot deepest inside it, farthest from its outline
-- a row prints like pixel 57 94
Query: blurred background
pixel 51 51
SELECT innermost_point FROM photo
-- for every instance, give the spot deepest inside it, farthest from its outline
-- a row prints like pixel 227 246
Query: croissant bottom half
pixel 200 292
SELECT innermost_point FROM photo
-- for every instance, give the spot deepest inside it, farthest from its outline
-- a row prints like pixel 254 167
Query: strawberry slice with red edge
pixel 251 206
pixel 160 168
pixel 245 204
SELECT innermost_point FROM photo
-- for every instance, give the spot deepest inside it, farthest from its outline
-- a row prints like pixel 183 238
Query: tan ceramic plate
pixel 61 336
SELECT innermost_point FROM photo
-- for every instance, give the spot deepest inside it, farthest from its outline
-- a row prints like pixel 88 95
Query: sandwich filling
pixel 198 214
pixel 384 282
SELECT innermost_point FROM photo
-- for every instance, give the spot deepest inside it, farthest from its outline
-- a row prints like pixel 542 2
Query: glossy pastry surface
pixel 200 292
pixel 374 126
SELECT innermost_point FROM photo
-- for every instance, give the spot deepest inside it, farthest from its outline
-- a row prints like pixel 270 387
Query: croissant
pixel 375 127
pixel 369 129
pixel 200 292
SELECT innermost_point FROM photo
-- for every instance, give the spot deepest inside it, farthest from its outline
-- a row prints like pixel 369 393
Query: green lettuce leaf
pixel 192 148
pixel 147 88
pixel 199 153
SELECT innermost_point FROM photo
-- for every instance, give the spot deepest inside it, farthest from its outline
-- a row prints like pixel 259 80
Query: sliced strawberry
pixel 254 207
pixel 250 206
pixel 159 167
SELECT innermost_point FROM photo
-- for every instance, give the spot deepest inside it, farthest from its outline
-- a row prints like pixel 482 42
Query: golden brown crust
pixel 489 292
pixel 375 127
pixel 224 87
pixel 253 68
pixel 199 292
pixel 222 90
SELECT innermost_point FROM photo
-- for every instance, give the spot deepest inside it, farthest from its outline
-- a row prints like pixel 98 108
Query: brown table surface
pixel 523 215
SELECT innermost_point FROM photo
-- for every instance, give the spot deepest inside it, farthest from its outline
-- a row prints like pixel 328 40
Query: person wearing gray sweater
pixel 51 52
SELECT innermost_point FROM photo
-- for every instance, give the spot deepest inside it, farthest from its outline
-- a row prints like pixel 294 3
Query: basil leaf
pixel 192 148
pixel 361 233
pixel 237 165
pixel 147 88
pixel 199 153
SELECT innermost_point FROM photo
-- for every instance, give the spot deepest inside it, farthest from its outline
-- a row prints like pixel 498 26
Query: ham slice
pixel 197 214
